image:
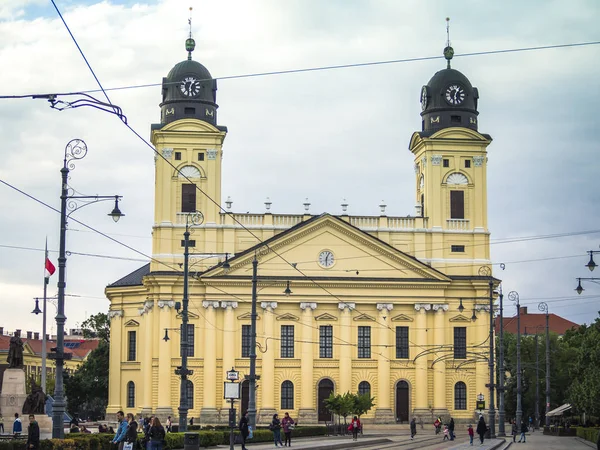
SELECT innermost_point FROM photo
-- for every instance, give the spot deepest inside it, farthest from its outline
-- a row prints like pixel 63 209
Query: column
pixel 345 384
pixel 165 363
pixel 228 341
pixel 477 334
pixel 114 379
pixel 308 412
pixel 439 369
pixel 384 413
pixel 267 373
pixel 147 357
pixel 421 387
pixel 209 413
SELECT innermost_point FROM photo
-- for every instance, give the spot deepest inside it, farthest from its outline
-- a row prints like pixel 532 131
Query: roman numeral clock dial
pixel 455 94
pixel 190 87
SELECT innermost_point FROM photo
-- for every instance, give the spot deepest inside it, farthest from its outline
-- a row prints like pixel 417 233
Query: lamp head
pixel 591 265
pixel 579 288
pixel 226 265
pixel 166 338
pixel 37 309
pixel 116 213
pixel 461 308
pixel 287 291
pixel 474 316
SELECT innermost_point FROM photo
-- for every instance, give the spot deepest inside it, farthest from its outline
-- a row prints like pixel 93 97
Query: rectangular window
pixel 402 342
pixel 364 342
pixel 457 248
pixel 457 204
pixel 326 341
pixel 287 341
pixel 200 156
pixel 177 156
pixel 467 163
pixel 190 339
pixel 455 119
pixel 131 346
pixel 188 198
pixel 446 162
pixel 189 110
pixel 460 342
pixel 246 340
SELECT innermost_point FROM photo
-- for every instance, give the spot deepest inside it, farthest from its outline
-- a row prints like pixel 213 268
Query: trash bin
pixel 191 441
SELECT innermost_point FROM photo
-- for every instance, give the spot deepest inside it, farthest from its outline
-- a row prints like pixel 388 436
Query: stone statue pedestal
pixel 13 397
pixel 43 421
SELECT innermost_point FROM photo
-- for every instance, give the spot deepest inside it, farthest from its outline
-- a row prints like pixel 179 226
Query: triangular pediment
pixel 247 316
pixel 328 248
pixel 364 317
pixel 132 323
pixel 326 317
pixel 191 315
pixel 288 317
pixel 460 318
pixel 402 318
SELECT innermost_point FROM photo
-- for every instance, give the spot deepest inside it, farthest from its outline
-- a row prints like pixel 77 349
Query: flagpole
pixel 46 280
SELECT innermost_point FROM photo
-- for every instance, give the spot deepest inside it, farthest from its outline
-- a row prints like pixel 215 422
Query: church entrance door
pixel 402 400
pixel 324 390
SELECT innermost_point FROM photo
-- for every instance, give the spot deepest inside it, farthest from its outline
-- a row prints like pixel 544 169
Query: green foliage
pixel 363 404
pixel 17 444
pixel 589 434
pixel 97 326
pixel 50 381
pixel 349 404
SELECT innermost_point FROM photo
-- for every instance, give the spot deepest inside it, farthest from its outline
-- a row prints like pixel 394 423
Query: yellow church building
pixel 375 304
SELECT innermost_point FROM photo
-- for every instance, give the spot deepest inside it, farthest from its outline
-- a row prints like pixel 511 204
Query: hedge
pixel 589 434
pixel 208 438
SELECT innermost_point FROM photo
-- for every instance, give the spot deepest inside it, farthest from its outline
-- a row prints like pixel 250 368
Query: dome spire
pixel 448 51
pixel 190 44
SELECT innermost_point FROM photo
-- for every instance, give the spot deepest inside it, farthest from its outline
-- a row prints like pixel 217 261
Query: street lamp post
pixel 500 388
pixel 537 382
pixel 252 377
pixel 485 271
pixel 514 297
pixel 76 149
pixel 543 306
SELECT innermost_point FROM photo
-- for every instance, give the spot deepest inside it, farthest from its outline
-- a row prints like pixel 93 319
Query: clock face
pixel 326 258
pixel 423 98
pixel 455 94
pixel 190 87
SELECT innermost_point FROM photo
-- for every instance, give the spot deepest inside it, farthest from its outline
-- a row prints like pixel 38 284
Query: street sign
pixel 231 390
pixel 480 405
pixel 233 375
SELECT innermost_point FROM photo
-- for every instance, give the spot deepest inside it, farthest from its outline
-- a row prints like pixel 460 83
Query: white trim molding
pixel 387 306
pixel 345 305
pixel 166 304
pixel 309 306
pixel 440 307
pixel 425 306
pixel 232 305
pixel 267 305
pixel 207 304
pixel 115 313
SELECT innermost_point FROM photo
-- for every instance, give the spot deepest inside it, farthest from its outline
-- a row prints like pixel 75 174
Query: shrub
pixel 589 434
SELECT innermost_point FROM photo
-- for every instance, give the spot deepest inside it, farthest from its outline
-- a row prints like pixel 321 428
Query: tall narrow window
pixel 246 339
pixel 364 388
pixel 188 197
pixel 131 394
pixel 190 339
pixel 131 344
pixel 457 204
pixel 460 342
pixel 364 342
pixel 287 395
pixel 402 342
pixel 325 341
pixel 189 393
pixel 287 341
pixel 460 395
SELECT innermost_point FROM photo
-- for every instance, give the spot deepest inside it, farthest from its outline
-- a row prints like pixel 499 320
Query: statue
pixel 36 401
pixel 15 352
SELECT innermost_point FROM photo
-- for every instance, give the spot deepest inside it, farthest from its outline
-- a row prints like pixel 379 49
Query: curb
pixel 583 441
pixel 341 445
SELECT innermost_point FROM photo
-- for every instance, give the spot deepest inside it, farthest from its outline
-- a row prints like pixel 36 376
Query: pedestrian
pixel 131 433
pixel 33 434
pixel 413 428
pixel 531 424
pixel 169 424
pixel 446 433
pixel 156 435
pixel 17 425
pixel 119 438
pixel 471 434
pixel 1 424
pixel 514 431
pixel 523 431
pixel 192 421
pixel 438 425
pixel 451 428
pixel 275 427
pixel 481 428
pixel 244 431
pixel 288 425
pixel 354 427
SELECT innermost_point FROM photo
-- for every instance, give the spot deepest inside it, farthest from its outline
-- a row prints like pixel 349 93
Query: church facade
pixel 394 306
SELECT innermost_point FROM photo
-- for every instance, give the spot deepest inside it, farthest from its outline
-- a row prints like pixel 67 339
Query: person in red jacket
pixel 471 434
pixel 354 427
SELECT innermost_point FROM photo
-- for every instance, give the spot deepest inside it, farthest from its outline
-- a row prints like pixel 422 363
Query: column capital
pixel 482 307
pixel 424 306
pixel 385 306
pixel 267 305
pixel 440 307
pixel 207 304
pixel 115 313
pixel 148 305
pixel 308 306
pixel 232 305
pixel 346 305
pixel 166 304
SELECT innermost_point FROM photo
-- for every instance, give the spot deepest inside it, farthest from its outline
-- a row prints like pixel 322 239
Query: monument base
pixel 43 421
pixel 12 398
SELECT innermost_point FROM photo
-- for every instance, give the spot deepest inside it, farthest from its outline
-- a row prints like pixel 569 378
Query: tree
pixel 87 387
pixel 362 404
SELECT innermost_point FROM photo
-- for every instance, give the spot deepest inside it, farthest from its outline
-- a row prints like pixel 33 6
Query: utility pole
pixel 252 378
pixel 537 382
pixel 544 308
pixel 514 297
pixel 500 389
pixel 487 272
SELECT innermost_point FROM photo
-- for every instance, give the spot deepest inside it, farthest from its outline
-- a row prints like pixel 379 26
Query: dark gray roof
pixel 134 278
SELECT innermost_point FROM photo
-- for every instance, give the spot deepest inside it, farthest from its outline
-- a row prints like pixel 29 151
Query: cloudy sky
pixel 325 135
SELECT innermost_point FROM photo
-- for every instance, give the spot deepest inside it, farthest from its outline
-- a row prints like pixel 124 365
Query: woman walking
pixel 288 426
pixel 514 430
pixel 244 431
pixel 355 428
pixel 156 434
pixel 131 433
pixel 481 428
pixel 276 429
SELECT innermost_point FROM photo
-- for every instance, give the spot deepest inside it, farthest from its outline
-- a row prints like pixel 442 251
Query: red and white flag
pixel 50 269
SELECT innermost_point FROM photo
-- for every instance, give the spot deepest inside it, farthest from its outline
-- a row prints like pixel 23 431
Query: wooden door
pixel 402 400
pixel 325 389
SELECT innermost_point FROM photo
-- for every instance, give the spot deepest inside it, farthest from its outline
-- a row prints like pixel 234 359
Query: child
pixel 471 434
pixel 446 433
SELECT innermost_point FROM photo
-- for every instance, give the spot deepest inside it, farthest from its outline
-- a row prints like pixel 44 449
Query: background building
pixel 532 323
pixel 374 304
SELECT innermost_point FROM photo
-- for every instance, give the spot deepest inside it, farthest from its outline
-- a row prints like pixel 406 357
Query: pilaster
pixel 228 340
pixel 308 412
pixel 209 413
pixel 114 385
pixel 165 370
pixel 147 357
pixel 384 413
pixel 267 377
pixel 346 350
pixel 421 408
pixel 440 408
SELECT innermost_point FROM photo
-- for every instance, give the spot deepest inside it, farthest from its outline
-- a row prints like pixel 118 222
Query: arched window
pixel 364 388
pixel 460 395
pixel 189 392
pixel 287 395
pixel 131 394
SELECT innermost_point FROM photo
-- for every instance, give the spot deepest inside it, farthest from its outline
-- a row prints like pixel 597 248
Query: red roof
pixel 530 323
pixel 85 346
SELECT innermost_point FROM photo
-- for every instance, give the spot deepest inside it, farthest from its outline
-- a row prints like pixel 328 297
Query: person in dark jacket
pixel 451 428
pixel 244 431
pixel 523 431
pixel 413 428
pixel 288 425
pixel 275 427
pixel 131 433
pixel 33 434
pixel 481 428
pixel 156 435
